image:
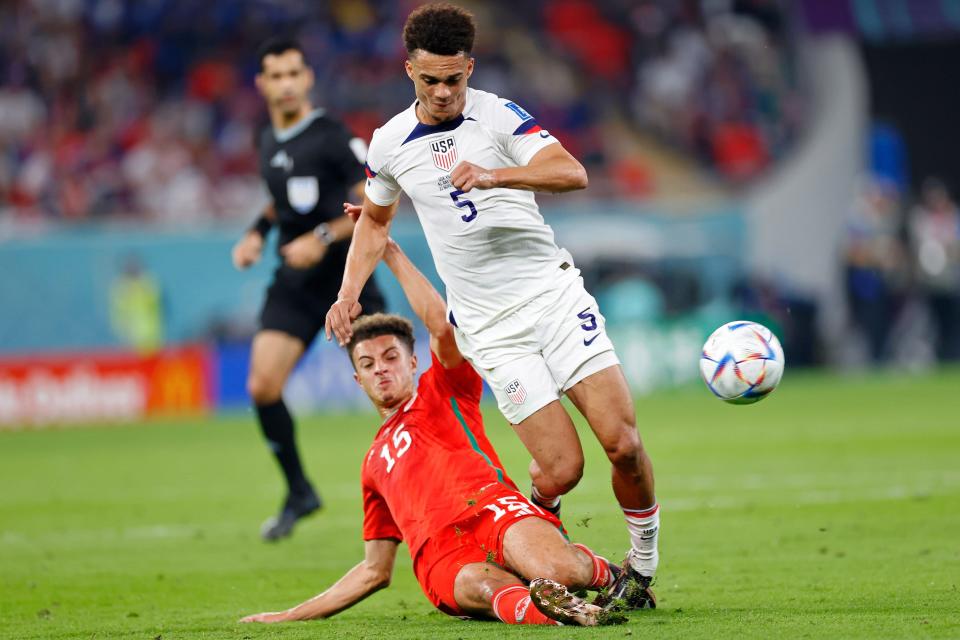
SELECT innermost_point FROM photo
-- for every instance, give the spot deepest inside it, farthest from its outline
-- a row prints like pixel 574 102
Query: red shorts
pixel 476 537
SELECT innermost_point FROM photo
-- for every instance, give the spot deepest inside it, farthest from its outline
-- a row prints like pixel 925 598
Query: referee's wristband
pixel 324 233
pixel 262 226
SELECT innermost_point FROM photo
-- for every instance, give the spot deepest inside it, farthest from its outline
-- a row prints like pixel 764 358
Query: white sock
pixel 549 503
pixel 644 528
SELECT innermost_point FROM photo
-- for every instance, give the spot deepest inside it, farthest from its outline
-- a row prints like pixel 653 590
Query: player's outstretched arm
pixel 364 579
pixel 366 249
pixel 551 169
pixel 426 303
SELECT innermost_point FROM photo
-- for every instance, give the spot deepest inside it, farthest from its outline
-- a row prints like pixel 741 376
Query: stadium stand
pixel 130 110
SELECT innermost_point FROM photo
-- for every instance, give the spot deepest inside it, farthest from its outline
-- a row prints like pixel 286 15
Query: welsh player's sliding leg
pixel 534 549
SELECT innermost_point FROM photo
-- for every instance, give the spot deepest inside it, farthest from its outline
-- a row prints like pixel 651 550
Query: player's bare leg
pixel 553 443
pixel 605 401
pixel 484 590
pixel 534 548
pixel 272 358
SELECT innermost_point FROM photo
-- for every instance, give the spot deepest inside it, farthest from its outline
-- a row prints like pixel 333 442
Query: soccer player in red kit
pixel 432 479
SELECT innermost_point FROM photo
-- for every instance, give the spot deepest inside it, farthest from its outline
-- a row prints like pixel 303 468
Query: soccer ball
pixel 742 362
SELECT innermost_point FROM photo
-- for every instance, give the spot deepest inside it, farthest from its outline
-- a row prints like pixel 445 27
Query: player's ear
pixel 413 362
pixel 357 378
pixel 408 67
pixel 258 82
pixel 469 68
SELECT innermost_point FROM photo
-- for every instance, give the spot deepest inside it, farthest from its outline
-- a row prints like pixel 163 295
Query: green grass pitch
pixel 830 510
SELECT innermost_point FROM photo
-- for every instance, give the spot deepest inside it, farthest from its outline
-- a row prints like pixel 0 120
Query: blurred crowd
pixel 145 109
pixel 903 271
pixel 719 81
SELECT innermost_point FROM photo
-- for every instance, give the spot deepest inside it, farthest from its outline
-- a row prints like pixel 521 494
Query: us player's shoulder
pixel 480 101
pixel 493 111
pixel 397 128
pixel 390 136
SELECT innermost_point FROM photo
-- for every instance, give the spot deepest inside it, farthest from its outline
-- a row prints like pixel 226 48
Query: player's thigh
pixel 529 399
pixel 604 399
pixel 581 358
pixel 522 385
pixel 551 438
pixel 273 356
pixel 535 548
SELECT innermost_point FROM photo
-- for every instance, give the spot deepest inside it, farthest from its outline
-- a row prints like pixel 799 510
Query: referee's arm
pixel 311 247
pixel 249 248
pixel 342 228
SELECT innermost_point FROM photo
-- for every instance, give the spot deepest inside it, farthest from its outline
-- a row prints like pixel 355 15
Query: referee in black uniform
pixel 310 162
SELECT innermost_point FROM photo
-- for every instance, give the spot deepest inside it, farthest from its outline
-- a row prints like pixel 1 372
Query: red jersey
pixel 430 461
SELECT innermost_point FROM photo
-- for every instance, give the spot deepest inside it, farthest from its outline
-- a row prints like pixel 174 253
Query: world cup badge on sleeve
pixel 444 153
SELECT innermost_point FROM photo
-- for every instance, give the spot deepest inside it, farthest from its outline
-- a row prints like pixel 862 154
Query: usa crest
pixel 516 392
pixel 444 153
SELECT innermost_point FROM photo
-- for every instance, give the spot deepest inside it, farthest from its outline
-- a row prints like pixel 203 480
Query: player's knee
pixel 564 478
pixel 625 450
pixel 262 389
pixel 557 476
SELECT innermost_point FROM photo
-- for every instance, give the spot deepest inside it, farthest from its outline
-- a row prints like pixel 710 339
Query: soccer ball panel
pixel 742 362
pixel 772 374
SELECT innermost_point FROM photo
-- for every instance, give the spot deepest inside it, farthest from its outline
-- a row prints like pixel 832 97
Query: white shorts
pixel 532 356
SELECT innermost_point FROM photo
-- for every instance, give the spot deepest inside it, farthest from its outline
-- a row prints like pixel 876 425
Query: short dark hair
pixel 380 324
pixel 441 28
pixel 278 45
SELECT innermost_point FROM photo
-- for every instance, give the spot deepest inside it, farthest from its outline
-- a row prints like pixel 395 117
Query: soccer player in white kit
pixel 470 162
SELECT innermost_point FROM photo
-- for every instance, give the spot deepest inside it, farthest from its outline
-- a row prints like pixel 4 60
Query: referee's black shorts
pixel 298 306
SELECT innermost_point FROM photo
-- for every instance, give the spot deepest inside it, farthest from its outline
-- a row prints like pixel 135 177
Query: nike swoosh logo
pixel 544 134
pixel 587 343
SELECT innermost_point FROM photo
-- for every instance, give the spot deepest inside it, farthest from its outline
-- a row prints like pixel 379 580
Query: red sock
pixel 602 576
pixel 512 605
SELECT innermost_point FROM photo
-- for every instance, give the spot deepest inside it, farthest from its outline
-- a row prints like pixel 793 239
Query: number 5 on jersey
pixel 401 442
pixel 460 203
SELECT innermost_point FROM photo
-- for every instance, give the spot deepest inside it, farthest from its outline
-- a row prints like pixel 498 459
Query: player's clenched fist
pixel 466 176
pixel 340 319
pixel 248 249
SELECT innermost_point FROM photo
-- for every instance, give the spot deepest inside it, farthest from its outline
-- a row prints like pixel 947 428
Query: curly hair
pixel 441 28
pixel 380 324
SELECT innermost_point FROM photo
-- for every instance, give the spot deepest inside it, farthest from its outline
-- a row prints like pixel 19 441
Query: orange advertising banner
pixel 105 386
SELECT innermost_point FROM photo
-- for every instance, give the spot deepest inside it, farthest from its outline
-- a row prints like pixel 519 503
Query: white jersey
pixel 491 246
